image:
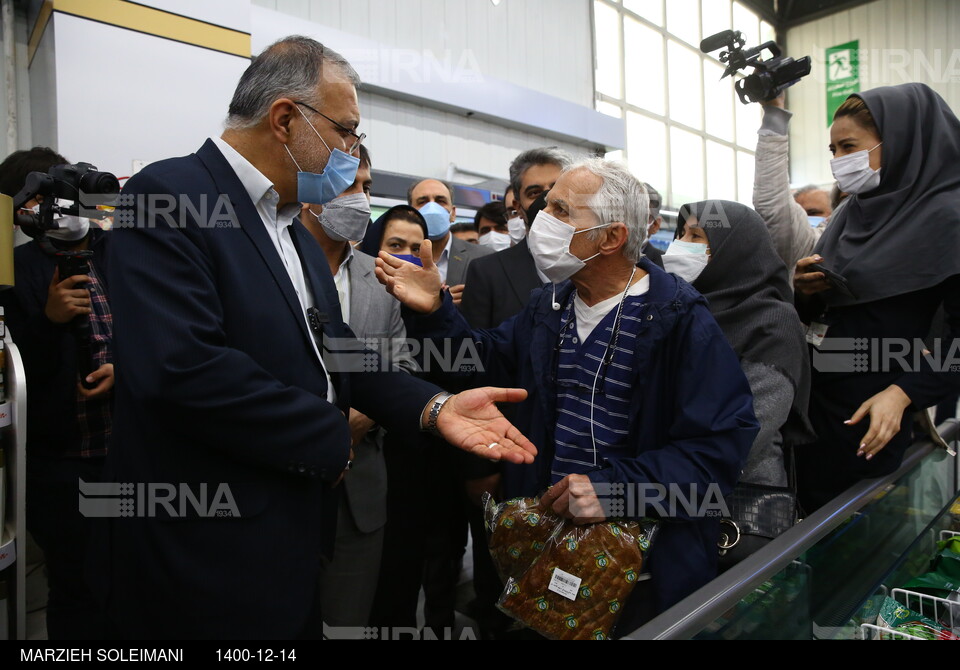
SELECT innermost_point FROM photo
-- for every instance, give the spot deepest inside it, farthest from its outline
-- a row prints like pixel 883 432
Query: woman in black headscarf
pixel 399 231
pixel 896 242
pixel 746 284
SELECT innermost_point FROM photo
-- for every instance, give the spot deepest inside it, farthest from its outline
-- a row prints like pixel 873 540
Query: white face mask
pixel 345 218
pixel 496 241
pixel 517 228
pixel 70 229
pixel 854 174
pixel 686 259
pixel 549 241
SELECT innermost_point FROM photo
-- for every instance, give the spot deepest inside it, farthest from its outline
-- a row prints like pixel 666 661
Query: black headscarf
pixel 373 240
pixel 746 285
pixel 904 235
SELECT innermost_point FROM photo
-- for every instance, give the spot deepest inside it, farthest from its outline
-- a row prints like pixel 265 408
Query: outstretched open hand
pixel 472 422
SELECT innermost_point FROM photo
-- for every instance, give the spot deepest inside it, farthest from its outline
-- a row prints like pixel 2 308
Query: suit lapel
pixel 520 271
pixel 327 302
pixel 455 271
pixel 360 297
pixel 249 218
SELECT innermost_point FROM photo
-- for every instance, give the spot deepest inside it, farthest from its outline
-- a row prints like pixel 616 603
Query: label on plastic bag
pixel 564 584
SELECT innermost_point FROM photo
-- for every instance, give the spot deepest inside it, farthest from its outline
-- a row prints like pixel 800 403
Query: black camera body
pixel 770 77
pixel 81 184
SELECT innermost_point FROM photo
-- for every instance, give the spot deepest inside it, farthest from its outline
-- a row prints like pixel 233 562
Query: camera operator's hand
pixel 103 377
pixel 779 102
pixel 64 301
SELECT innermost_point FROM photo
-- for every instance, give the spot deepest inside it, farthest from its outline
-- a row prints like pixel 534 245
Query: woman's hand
pixel 806 279
pixel 886 412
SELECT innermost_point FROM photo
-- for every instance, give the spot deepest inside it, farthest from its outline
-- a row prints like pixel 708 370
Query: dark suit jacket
pixel 461 255
pixel 218 383
pixel 498 286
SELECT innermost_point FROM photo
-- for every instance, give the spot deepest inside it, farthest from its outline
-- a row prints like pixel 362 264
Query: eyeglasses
pixel 359 138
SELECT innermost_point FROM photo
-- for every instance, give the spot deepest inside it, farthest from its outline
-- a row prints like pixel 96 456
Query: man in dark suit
pixel 451 254
pixel 500 285
pixel 222 306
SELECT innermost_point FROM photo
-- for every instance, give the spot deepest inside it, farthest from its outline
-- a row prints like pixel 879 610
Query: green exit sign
pixel 843 75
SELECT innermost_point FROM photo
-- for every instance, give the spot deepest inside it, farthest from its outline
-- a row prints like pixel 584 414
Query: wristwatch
pixel 436 405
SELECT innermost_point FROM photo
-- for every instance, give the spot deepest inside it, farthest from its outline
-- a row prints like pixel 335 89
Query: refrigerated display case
pixel 824 578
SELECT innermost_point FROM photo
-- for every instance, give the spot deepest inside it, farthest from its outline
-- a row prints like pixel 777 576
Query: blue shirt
pixel 595 380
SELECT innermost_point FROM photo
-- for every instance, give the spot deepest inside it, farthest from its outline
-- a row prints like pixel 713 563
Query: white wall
pixel 134 96
pixel 423 141
pixel 543 45
pixel 900 40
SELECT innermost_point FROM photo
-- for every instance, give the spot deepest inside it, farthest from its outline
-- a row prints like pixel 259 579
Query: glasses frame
pixel 359 138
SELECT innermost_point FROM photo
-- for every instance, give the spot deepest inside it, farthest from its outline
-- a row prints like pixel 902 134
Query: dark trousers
pixel 62 532
pixel 408 512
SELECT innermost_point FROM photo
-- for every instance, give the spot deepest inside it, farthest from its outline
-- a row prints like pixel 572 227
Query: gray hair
pixel 810 188
pixel 289 68
pixel 532 157
pixel 621 197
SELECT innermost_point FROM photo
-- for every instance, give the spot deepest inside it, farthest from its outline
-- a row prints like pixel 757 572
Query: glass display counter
pixel 824 577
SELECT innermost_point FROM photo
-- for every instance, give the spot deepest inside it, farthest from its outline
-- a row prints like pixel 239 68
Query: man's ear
pixel 280 118
pixel 615 238
pixel 453 214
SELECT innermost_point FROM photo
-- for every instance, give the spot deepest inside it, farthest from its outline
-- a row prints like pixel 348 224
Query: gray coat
pixel 461 253
pixel 373 314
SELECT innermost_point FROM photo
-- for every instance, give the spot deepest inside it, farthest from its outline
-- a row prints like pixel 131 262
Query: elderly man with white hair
pixel 630 379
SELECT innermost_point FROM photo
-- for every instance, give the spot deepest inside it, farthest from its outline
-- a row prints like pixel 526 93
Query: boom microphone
pixel 718 41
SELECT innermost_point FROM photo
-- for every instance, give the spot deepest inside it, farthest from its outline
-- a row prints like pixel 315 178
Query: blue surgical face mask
pixel 337 176
pixel 815 221
pixel 409 259
pixel 438 221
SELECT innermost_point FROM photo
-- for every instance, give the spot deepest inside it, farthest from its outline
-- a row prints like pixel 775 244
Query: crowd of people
pixel 281 351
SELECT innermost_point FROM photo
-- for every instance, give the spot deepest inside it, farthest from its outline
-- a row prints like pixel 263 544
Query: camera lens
pixel 102 183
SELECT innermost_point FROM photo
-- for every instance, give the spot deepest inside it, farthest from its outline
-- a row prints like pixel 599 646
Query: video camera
pixel 67 190
pixel 770 77
pixel 82 186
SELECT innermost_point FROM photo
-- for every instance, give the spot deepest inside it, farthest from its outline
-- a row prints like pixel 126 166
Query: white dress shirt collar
pixel 255 183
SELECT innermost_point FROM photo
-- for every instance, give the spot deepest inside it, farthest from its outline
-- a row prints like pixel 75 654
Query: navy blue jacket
pixel 692 415
pixel 217 382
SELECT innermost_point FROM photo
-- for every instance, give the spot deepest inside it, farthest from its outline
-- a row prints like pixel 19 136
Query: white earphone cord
pixel 593 391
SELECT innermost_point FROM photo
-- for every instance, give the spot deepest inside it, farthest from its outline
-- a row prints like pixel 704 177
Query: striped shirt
pixel 595 385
